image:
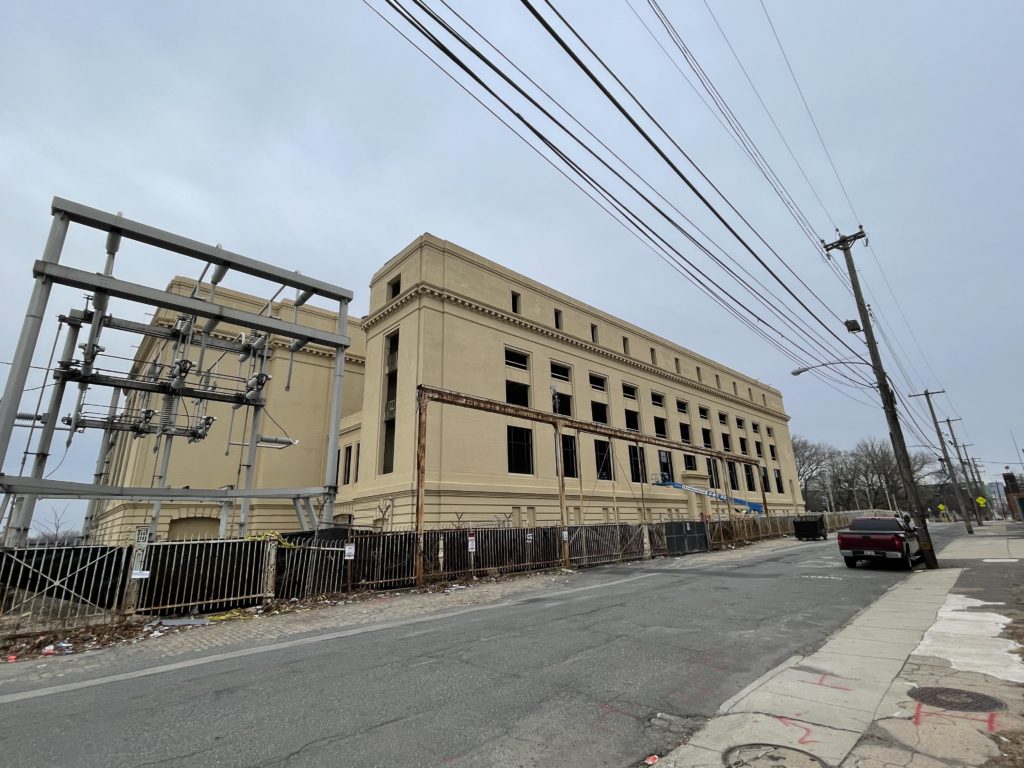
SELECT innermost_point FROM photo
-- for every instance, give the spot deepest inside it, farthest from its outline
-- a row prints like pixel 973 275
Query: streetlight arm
pixel 805 369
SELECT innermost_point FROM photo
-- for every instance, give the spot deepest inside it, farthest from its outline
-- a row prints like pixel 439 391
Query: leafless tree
pixel 54 530
pixel 863 477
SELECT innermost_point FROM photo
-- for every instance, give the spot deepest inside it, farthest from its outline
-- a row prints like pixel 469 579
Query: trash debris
pixel 49 651
pixel 11 659
pixel 158 633
pixel 650 760
pixel 453 587
pixel 193 622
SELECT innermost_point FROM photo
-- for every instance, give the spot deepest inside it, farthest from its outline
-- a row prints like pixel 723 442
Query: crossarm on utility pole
pixel 899 445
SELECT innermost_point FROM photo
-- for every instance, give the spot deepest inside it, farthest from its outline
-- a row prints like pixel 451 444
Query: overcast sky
pixel 311 135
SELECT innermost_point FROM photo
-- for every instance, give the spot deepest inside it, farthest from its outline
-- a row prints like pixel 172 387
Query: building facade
pixel 444 317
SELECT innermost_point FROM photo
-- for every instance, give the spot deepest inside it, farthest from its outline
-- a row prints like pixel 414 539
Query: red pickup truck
pixel 879 538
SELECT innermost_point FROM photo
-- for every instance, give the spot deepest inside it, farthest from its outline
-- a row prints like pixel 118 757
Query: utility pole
pixel 899 445
pixel 982 483
pixel 963 465
pixel 972 466
pixel 945 455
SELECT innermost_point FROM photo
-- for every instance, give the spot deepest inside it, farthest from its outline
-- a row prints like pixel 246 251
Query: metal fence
pixel 201 576
pixel 55 587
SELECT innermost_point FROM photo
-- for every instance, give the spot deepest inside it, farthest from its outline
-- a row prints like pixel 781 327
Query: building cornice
pixel 426 290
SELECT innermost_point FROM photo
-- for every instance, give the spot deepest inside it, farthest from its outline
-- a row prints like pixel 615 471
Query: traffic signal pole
pixel 899 445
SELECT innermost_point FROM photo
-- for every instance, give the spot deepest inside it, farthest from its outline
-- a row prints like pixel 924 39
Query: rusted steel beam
pixel 421 474
pixel 462 400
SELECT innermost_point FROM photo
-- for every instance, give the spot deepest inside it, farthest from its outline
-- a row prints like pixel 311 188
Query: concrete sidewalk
pixel 852 703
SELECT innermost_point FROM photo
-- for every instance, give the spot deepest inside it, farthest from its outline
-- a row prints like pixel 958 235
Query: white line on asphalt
pixel 297 643
pixel 303 641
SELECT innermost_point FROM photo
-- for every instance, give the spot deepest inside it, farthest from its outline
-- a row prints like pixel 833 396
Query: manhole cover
pixel 769 756
pixel 956 699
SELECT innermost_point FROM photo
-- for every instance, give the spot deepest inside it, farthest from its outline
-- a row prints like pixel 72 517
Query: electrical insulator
pixel 179 372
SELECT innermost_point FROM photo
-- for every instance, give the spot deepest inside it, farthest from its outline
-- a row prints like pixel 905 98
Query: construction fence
pixel 57 587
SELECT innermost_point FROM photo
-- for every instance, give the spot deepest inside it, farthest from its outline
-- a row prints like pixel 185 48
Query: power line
pixel 808 108
pixel 771 117
pixel 404 13
pixel 447 27
pixel 769 306
pixel 661 153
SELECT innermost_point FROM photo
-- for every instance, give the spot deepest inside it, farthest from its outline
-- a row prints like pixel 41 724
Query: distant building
pixel 445 317
pixel 1014 495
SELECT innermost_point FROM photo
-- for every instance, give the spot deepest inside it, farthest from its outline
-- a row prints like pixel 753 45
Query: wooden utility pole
pixel 967 475
pixel 899 445
pixel 945 455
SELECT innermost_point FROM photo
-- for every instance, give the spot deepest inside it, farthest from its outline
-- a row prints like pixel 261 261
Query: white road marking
pixel 303 641
pixel 297 643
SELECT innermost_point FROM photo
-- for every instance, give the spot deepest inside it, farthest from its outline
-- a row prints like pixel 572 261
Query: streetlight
pixel 805 369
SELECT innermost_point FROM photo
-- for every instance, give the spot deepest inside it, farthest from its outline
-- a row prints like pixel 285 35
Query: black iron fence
pixel 53 587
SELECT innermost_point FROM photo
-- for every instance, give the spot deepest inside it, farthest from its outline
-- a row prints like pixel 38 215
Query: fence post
pixel 269 569
pixel 647 542
pixel 135 560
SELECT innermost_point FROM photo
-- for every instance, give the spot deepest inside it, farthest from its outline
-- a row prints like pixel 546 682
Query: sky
pixel 312 135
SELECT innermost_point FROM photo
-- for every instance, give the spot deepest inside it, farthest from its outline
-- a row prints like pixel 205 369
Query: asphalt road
pixel 573 675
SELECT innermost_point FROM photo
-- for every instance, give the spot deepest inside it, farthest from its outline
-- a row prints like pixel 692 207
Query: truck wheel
pixel 851 562
pixel 907 562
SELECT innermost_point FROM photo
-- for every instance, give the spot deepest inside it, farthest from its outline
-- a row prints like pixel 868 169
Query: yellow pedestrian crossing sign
pixel 942 507
pixel 982 501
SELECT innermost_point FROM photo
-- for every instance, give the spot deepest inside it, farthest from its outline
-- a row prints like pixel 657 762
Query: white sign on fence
pixel 529 538
pixel 142 536
pixel 472 542
pixel 565 535
pixel 140 574
pixel 350 551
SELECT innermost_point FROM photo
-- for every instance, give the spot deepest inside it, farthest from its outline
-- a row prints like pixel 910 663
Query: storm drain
pixel 956 699
pixel 770 756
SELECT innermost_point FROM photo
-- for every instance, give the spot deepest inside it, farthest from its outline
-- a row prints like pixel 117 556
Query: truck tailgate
pixel 869 541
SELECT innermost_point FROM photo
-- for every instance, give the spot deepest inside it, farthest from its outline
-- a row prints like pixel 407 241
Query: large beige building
pixel 444 317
